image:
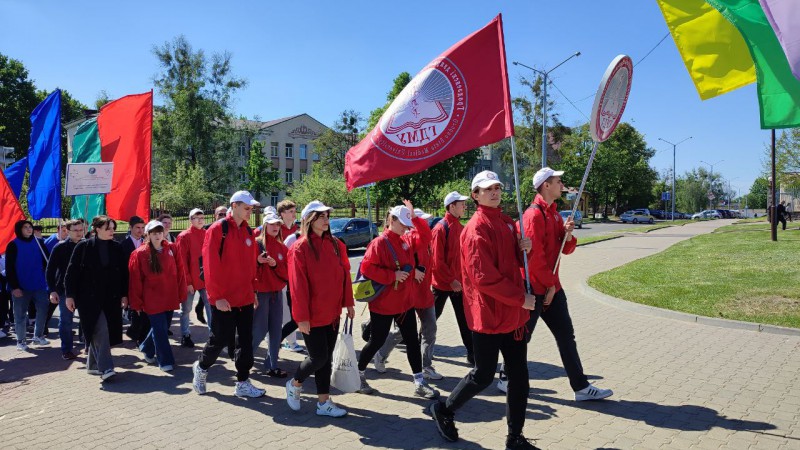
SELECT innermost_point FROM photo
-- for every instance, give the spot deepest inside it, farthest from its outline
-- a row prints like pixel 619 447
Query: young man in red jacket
pixel 447 266
pixel 496 304
pixel 190 247
pixel 546 229
pixel 229 266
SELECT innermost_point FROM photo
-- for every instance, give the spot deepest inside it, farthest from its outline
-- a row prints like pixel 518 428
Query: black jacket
pixel 96 288
pixel 57 266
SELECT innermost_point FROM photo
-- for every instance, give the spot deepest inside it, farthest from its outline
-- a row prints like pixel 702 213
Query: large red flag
pixel 458 102
pixel 10 213
pixel 125 127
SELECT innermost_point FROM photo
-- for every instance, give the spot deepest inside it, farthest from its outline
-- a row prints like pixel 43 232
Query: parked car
pixel 636 216
pixel 353 232
pixel 659 213
pixel 578 217
pixel 707 214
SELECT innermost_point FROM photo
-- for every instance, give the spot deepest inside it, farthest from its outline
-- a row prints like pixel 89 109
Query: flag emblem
pixel 427 114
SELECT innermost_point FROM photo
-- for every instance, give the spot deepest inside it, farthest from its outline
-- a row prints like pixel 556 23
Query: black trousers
pixel 225 326
pixel 558 320
pixel 457 301
pixel 380 325
pixel 290 326
pixel 319 343
pixel 487 349
pixel 5 301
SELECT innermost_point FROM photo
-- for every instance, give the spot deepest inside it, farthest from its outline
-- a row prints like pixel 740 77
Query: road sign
pixel 665 196
pixel 711 195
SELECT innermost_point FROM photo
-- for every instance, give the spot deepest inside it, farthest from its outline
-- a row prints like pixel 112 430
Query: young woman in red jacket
pixel 389 260
pixel 319 279
pixel 157 287
pixel 271 275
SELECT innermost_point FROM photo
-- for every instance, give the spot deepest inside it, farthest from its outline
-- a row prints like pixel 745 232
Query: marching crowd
pixel 244 279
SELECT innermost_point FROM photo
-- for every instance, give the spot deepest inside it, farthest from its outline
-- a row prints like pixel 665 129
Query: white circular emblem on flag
pixel 427 115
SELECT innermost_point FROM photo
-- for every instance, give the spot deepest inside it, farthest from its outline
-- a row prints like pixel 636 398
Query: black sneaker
pixel 187 342
pixel 519 442
pixel 444 422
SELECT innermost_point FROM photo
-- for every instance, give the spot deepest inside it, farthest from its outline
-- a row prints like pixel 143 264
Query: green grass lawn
pixel 736 273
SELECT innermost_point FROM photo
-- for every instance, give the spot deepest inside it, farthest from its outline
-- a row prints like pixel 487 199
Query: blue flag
pixel 44 159
pixel 15 174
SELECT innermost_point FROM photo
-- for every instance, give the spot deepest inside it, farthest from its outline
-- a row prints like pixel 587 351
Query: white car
pixel 707 214
pixel 636 216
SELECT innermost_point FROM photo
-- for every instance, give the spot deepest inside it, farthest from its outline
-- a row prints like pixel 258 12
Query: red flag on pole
pixel 10 213
pixel 459 101
pixel 125 127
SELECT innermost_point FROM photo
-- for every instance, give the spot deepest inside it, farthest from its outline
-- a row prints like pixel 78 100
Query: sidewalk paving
pixel 677 385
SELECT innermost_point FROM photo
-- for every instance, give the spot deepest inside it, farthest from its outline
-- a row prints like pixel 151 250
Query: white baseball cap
pixel 272 217
pixel 151 225
pixel 403 214
pixel 195 211
pixel 270 209
pixel 313 206
pixel 543 174
pixel 421 214
pixel 244 196
pixel 454 197
pixel 485 179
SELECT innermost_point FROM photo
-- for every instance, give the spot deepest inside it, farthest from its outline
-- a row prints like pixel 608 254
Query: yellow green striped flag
pixel 713 50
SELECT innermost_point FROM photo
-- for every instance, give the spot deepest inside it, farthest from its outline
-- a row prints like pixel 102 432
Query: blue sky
pixel 322 57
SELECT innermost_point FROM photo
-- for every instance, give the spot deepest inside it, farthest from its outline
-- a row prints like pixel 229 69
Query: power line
pixel 570 101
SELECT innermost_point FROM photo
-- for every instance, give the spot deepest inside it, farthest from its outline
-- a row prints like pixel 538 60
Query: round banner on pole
pixel 611 97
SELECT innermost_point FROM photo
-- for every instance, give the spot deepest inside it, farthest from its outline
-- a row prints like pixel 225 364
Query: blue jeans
pixel 186 309
pixel 21 304
pixel 268 319
pixel 65 317
pixel 157 341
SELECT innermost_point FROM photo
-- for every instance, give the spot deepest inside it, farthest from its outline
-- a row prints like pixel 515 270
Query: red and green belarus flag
pixel 122 134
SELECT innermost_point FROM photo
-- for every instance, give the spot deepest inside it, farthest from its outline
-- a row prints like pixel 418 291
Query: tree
pixel 17 100
pixel 759 192
pixel 334 142
pixel 195 125
pixel 693 188
pixel 261 178
pixel 420 187
pixel 188 189
pixel 329 189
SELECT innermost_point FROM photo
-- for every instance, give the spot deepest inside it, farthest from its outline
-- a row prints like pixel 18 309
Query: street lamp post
pixel 673 170
pixel 711 176
pixel 545 74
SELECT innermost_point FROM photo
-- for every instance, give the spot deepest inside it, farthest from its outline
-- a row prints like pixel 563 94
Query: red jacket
pixel 446 253
pixel 379 265
pixel 421 242
pixel 285 232
pixel 190 249
pixel 494 290
pixel 151 292
pixel 545 234
pixel 319 281
pixel 273 279
pixel 232 277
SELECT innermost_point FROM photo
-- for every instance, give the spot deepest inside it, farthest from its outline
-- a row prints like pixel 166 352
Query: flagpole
pixel 519 209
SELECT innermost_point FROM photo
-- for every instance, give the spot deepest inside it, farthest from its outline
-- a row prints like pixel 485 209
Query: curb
pixel 684 317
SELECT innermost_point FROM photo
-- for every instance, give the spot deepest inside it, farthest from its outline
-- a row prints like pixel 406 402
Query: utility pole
pixel 673 170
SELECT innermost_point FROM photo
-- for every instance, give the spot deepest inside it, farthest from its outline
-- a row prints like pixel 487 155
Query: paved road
pixel 677 385
pixel 594 229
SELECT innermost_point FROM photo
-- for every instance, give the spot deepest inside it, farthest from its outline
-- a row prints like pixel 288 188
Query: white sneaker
pixel 379 362
pixel 294 347
pixel 93 372
pixel 592 393
pixel 147 359
pixel 199 380
pixel 425 390
pixel 3 334
pixel 21 346
pixel 107 374
pixel 502 385
pixel 246 389
pixel 167 368
pixel 431 373
pixel 40 340
pixel 330 409
pixel 293 396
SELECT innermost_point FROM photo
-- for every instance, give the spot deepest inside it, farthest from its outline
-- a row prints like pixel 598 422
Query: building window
pixel 273 199
pixel 242 149
pixel 290 151
pixel 243 177
pixel 289 177
pixel 303 150
pixel 302 176
pixel 273 149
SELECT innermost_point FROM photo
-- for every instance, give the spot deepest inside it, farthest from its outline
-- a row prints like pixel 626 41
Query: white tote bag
pixel 344 376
